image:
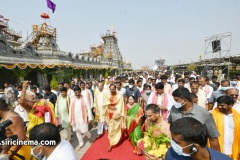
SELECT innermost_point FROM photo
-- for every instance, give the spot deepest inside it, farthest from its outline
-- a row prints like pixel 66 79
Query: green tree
pixel 54 83
pixel 192 67
pixel 173 67
pixel 106 74
pixel 21 73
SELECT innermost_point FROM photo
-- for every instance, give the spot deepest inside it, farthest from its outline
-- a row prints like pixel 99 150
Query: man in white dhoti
pixel 100 96
pixel 62 112
pixel 80 116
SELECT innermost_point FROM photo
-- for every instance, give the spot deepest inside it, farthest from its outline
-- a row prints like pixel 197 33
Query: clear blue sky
pixel 147 29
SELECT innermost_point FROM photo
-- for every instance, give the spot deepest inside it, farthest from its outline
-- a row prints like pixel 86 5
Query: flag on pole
pixel 51 5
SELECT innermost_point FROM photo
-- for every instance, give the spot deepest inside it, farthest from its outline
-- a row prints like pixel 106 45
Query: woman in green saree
pixel 134 114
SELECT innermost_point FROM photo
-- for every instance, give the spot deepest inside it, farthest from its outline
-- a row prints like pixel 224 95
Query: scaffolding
pixel 42 34
pixel 217 56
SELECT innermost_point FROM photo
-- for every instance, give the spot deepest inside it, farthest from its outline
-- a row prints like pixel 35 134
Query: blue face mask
pixel 224 88
pixel 233 82
pixel 148 91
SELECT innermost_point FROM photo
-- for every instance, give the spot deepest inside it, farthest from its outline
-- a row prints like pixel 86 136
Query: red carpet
pixel 98 150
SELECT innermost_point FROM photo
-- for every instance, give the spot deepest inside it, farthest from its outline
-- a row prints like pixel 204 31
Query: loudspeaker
pixel 216 45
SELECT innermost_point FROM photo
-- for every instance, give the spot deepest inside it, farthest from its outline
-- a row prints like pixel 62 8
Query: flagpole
pixel 49 17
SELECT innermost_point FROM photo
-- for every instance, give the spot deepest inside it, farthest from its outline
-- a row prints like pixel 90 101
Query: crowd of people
pixel 200 114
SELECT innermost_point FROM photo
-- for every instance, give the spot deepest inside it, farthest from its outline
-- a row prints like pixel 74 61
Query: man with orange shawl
pixel 227 120
pixel 80 116
pixel 162 99
pixel 113 110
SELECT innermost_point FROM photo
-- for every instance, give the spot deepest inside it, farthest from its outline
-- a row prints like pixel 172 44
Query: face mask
pixel 130 86
pixel 38 156
pixel 224 88
pixel 126 84
pixel 148 91
pixel 177 105
pixel 1 95
pixel 178 149
pixel 233 82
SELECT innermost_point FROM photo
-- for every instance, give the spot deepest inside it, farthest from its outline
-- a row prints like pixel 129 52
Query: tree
pixel 21 73
pixel 54 83
pixel 106 73
pixel 173 67
pixel 192 67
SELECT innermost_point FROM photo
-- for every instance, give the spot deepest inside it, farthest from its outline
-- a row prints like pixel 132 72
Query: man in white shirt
pixel 202 98
pixel 49 133
pixel 206 88
pixel 227 121
pixel 175 86
pixel 80 116
pixel 162 99
pixel 70 92
pixel 234 93
pixel 99 99
pixel 86 93
pixel 139 86
pixel 8 93
pixel 167 87
pixel 120 89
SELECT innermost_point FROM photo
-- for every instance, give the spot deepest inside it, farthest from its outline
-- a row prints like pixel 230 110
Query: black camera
pixel 3 126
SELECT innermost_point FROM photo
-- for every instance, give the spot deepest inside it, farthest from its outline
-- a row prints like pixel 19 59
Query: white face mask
pixel 224 88
pixel 178 149
pixel 234 83
pixel 177 105
pixel 38 156
pixel 130 86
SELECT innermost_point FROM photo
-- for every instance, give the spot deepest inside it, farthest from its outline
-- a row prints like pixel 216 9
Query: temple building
pixel 38 57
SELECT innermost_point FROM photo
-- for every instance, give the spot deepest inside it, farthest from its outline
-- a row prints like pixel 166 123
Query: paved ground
pixel 74 142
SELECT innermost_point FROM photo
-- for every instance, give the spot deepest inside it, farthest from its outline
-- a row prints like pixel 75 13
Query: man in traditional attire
pixel 206 88
pixel 162 99
pixel 62 112
pixel 9 95
pixel 70 92
pixel 39 111
pixel 202 97
pixel 114 115
pixel 227 120
pixel 80 116
pixel 86 93
pixel 100 96
pixel 167 87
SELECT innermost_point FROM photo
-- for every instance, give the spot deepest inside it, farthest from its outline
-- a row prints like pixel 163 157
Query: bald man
pixel 234 93
pixel 36 109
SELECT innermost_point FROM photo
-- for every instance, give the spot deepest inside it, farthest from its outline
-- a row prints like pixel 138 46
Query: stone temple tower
pixel 110 48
